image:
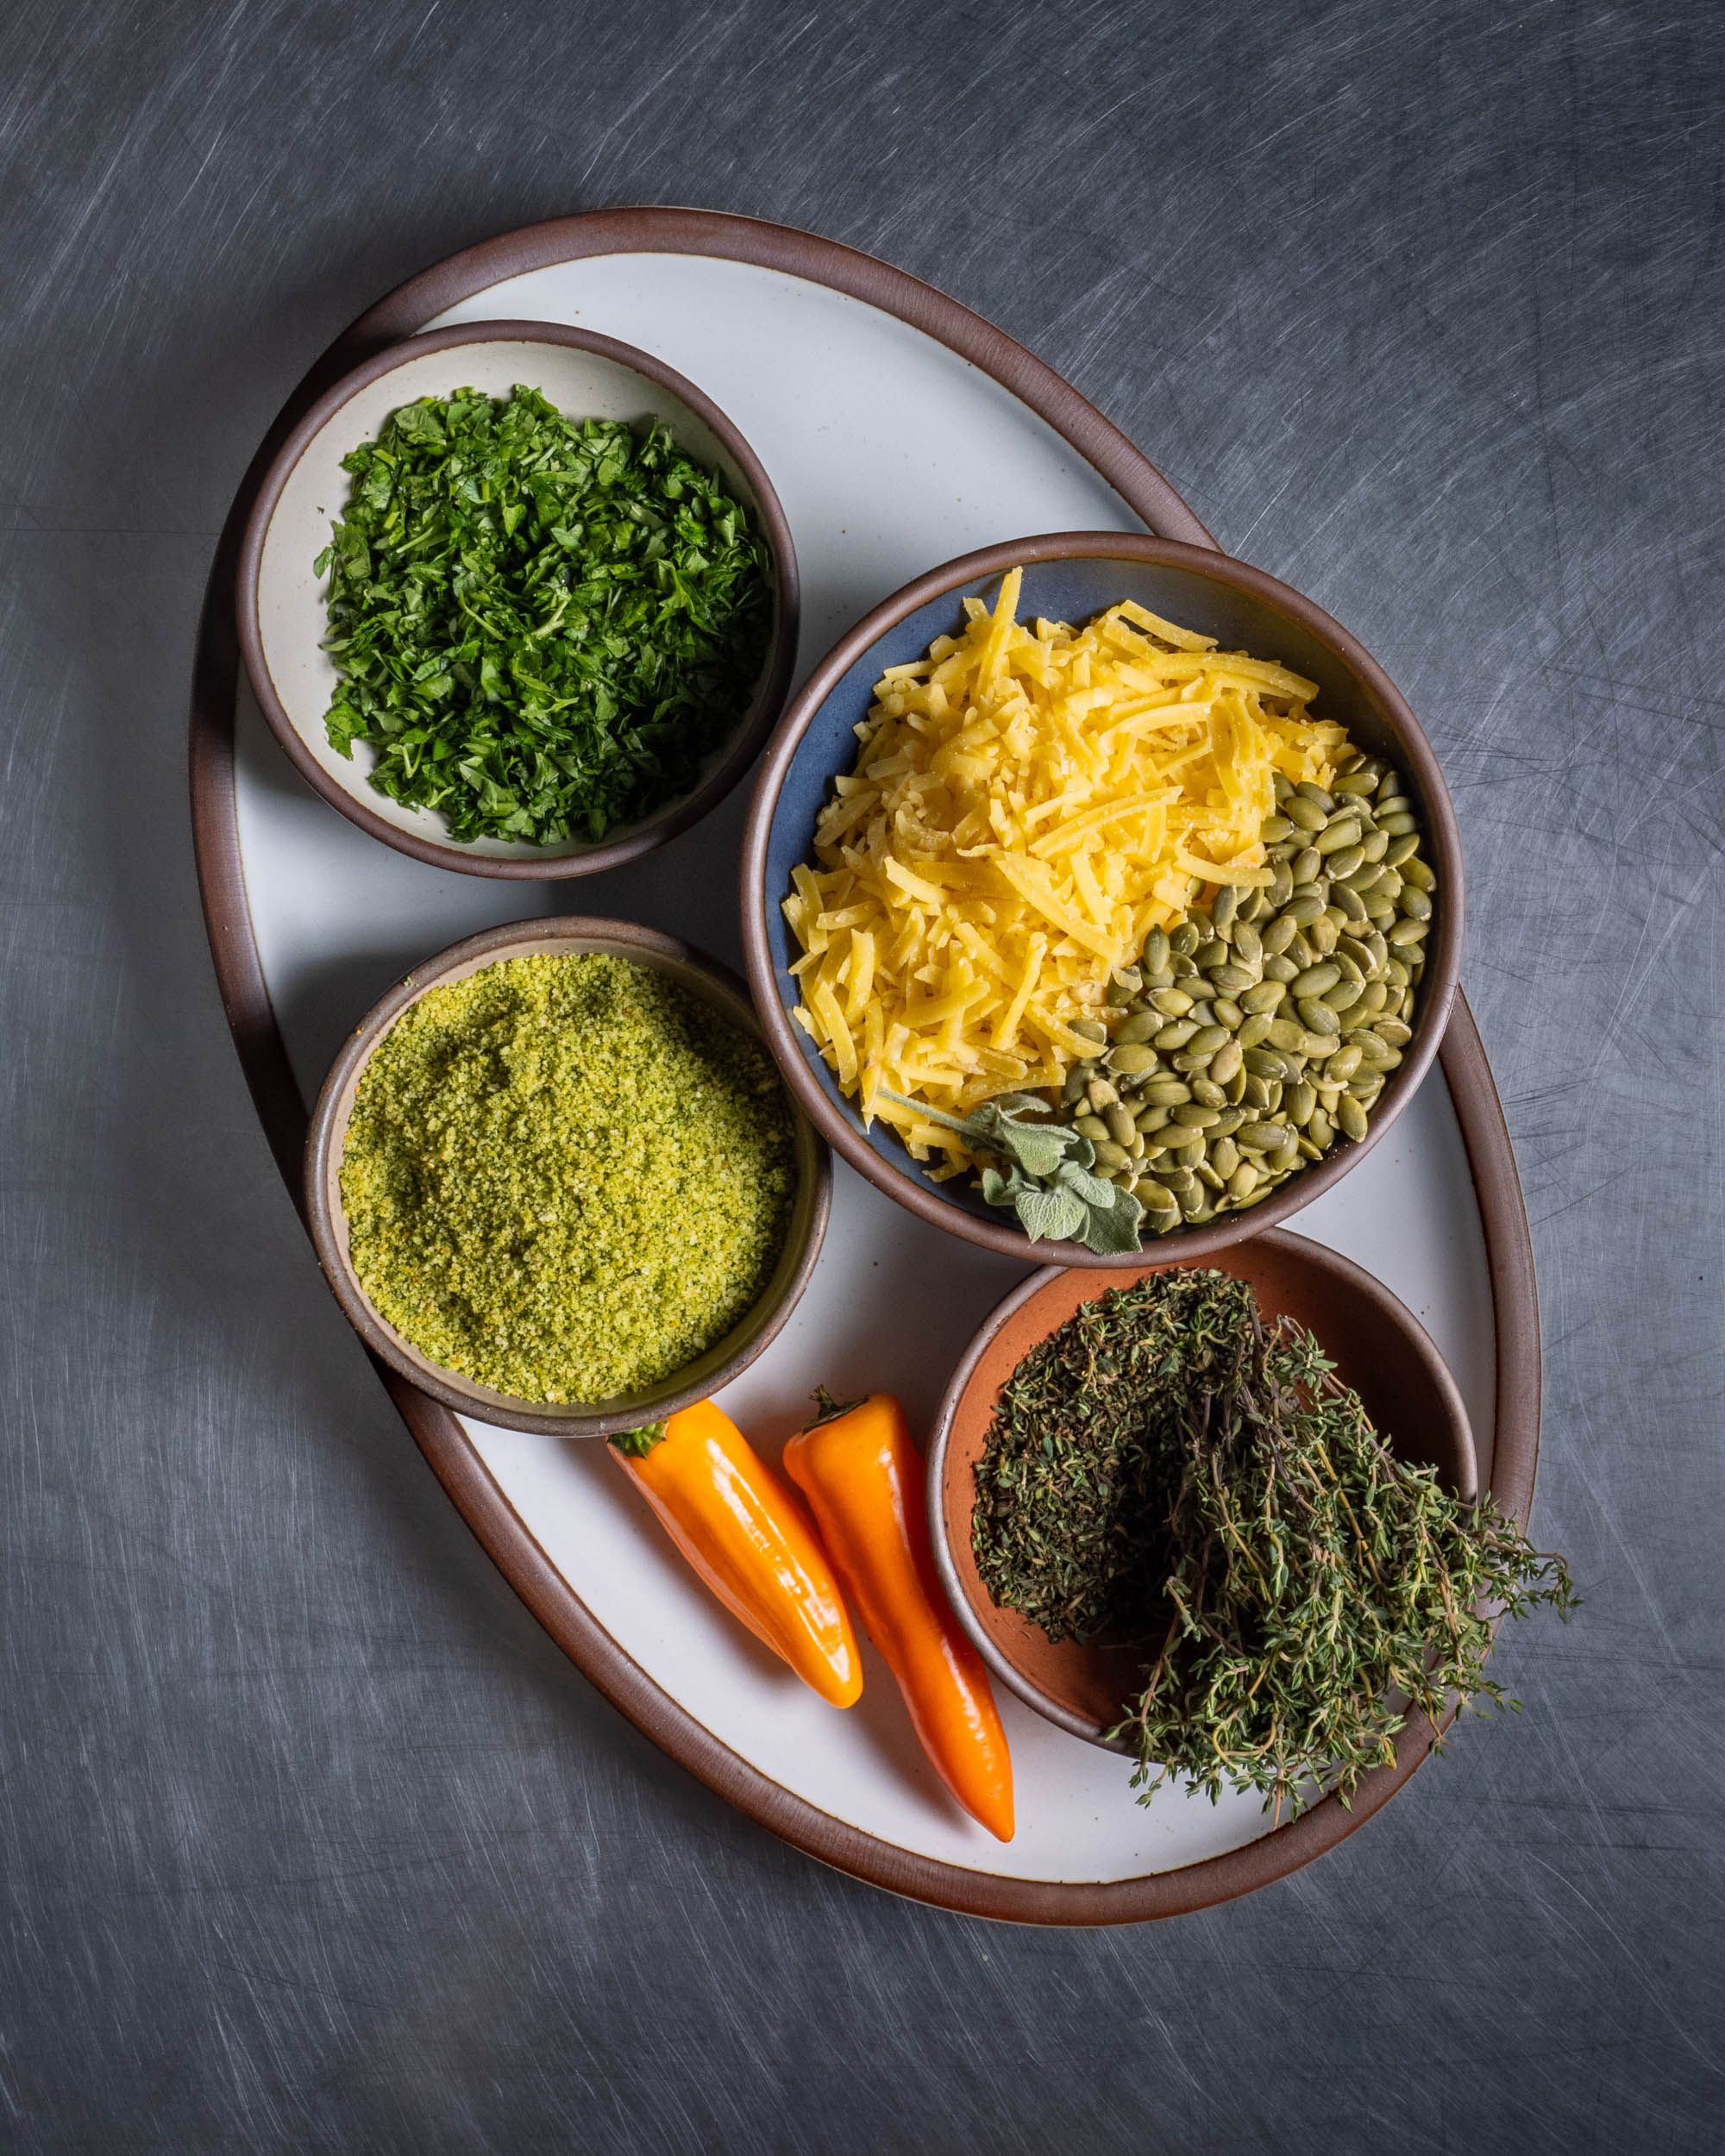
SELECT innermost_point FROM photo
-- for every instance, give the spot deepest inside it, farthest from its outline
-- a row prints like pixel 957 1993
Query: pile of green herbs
pixel 542 626
pixel 1166 1470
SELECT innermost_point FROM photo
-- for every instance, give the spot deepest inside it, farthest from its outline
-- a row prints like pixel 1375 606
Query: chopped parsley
pixel 544 626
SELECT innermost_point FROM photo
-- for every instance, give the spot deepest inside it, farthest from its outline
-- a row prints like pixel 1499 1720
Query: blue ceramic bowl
pixel 1070 576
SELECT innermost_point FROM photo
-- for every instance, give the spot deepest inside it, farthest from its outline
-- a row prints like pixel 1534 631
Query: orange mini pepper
pixel 864 1479
pixel 745 1536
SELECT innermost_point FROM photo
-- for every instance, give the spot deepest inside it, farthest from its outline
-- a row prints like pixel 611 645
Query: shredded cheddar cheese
pixel 1027 803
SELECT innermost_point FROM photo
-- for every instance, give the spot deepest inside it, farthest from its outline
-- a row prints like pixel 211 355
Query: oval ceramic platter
pixel 899 429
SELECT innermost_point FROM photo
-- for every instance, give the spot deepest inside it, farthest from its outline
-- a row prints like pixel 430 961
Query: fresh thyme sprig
pixel 1047 1180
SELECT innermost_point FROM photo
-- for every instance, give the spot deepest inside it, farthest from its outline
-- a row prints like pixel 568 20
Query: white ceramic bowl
pixel 282 602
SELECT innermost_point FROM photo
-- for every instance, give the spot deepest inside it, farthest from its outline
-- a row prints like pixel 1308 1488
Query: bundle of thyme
pixel 1166 1468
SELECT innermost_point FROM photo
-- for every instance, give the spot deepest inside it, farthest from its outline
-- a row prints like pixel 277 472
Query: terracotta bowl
pixel 703 977
pixel 1070 576
pixel 1376 1343
pixel 283 602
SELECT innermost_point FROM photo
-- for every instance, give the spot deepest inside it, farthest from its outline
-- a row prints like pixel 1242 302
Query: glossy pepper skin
pixel 742 1533
pixel 864 1479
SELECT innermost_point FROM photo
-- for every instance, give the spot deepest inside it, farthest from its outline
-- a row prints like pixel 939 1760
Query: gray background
pixel 308 1839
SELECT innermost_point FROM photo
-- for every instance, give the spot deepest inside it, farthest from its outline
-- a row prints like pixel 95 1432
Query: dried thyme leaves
pixel 567 1177
pixel 1165 1470
pixel 544 626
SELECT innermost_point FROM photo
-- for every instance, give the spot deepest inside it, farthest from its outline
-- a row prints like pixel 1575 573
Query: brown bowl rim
pixel 626 939
pixel 676 816
pixel 1389 1307
pixel 912 1190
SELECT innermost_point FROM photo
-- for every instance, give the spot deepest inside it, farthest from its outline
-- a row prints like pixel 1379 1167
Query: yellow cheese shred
pixel 1028 801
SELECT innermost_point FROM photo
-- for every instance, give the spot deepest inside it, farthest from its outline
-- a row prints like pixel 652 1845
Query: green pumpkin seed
pixel 1072 1091
pixel 1262 1138
pixel 1206 1041
pixel 1408 932
pixel 1165 1091
pixel 1227 1013
pixel 1225 1062
pixel 1344 995
pixel 1120 1126
pixel 1305 815
pixel 1398 825
pixel 1282 968
pixel 1303 912
pixel 1224 1157
pixel 1279 934
pixel 1233 977
pixel 1285 1034
pixel 1375 846
pixel 1248 944
pixel 1208 1094
pixel 1316 978
pixel 1343 1065
pixel 1299 1102
pixel 1348 862
pixel 1109 1155
pixel 1207 1175
pixel 1173 1036
pixel 1414 903
pixel 1337 834
pixel 1137 1028
pixel 1222 907
pixel 1156 950
pixel 1419 873
pixel 1393 1032
pixel 1350 1118
pixel 1194 1117
pixel 1275 828
pixel 1253 1027
pixel 1133 1059
pixel 1319 1018
pixel 1089 1029
pixel 1099 1095
pixel 1092 1127
pixel 1266 996
pixel 1281 883
pixel 1307 865
pixel 1321 1130
pixel 1348 904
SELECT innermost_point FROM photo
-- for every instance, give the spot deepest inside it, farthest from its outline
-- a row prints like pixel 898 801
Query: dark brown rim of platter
pixel 702 976
pixel 840 1126
pixel 449 1450
pixel 676 816
pixel 1376 1343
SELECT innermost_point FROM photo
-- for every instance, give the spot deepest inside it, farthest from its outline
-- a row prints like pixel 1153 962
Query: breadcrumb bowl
pixel 566 935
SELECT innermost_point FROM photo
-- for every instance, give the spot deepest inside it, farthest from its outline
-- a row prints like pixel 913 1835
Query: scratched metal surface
pixel 310 1840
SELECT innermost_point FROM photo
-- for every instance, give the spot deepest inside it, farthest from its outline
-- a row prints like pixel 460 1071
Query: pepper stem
pixel 636 1444
pixel 831 1409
